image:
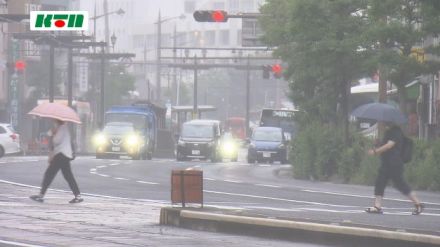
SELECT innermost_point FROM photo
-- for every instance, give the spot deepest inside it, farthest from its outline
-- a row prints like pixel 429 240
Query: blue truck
pixel 130 130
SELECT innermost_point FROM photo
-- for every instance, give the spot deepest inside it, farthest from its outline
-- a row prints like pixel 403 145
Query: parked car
pixel 267 144
pixel 120 138
pixel 199 139
pixel 9 140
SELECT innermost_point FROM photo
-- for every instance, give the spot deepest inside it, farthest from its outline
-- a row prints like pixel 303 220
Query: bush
pixel 315 152
pixel 318 153
pixel 423 172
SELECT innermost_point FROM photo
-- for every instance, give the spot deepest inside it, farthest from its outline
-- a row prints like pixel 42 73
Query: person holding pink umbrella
pixel 61 152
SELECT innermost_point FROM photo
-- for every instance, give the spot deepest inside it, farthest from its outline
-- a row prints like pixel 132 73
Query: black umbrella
pixel 380 112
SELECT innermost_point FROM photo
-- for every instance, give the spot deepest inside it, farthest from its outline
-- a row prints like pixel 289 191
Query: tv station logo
pixel 59 20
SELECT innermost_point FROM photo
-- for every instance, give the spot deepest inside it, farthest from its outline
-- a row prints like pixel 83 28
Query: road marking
pixel 19 244
pixel 121 178
pixel 145 182
pixel 233 181
pixel 276 199
pixel 268 185
pixel 360 196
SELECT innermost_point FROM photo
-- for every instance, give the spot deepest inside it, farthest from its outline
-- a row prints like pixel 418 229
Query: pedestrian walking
pixel 60 155
pixel 392 168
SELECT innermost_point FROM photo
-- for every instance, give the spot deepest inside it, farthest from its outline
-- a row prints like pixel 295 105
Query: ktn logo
pixel 59 20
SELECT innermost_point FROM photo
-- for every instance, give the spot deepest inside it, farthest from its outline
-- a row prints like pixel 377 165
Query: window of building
pixel 218 5
pixel 190 6
pixel 247 5
pixel 234 5
pixel 239 37
pixel 210 37
pixel 224 37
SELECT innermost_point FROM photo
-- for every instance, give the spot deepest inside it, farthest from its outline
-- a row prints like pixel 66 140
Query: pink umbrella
pixel 56 111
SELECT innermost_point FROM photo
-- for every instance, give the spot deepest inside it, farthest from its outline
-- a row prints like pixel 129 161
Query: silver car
pixel 9 140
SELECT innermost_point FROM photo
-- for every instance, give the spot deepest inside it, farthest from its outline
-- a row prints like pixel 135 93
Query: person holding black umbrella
pixel 392 164
pixel 392 168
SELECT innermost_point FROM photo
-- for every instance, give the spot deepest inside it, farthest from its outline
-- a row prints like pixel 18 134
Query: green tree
pixel 396 30
pixel 118 84
pixel 320 40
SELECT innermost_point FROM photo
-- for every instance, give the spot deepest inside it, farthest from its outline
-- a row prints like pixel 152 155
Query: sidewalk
pixel 104 221
pixel 95 222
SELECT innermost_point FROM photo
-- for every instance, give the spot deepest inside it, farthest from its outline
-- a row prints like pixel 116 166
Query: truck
pixel 140 143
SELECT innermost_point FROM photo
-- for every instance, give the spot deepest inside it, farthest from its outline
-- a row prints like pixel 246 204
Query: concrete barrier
pixel 293 230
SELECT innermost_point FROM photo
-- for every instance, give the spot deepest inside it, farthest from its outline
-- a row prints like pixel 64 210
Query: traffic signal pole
pixel 195 106
pixel 248 87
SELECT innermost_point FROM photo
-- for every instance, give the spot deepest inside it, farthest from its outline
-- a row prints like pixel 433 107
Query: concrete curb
pixel 344 234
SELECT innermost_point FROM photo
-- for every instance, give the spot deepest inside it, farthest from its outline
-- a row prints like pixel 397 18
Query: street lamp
pixel 158 53
pixel 94 18
pixel 113 40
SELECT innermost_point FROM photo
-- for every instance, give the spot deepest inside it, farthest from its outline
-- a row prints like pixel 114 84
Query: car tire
pixel 149 156
pixel 2 151
pixel 179 157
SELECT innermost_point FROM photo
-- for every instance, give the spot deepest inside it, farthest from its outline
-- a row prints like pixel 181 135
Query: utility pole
pixel 195 106
pixel 107 32
pixel 158 55
pixel 248 87
pixel 51 72
pixel 174 86
pixel 69 77
pixel 102 102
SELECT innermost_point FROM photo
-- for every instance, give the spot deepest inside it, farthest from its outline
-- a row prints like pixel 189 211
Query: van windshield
pixel 197 131
pixel 268 135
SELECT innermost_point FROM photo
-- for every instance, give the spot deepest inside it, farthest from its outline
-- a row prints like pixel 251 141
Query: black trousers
pixel 393 172
pixel 59 162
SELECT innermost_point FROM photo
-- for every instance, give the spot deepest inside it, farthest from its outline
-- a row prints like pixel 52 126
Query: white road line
pixel 145 182
pixel 360 196
pixel 121 178
pixel 233 181
pixel 19 244
pixel 277 199
pixel 268 185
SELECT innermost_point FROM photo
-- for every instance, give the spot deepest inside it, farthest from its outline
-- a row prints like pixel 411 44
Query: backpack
pixel 407 149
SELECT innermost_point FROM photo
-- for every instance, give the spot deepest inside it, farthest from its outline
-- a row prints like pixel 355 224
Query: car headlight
pixel 133 140
pixel 181 143
pixel 228 148
pixel 100 139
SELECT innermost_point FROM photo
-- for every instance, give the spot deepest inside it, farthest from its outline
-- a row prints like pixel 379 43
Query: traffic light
pixel 277 70
pixel 210 16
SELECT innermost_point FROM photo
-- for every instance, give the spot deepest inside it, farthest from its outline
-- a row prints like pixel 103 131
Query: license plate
pixel 196 152
pixel 116 149
pixel 266 154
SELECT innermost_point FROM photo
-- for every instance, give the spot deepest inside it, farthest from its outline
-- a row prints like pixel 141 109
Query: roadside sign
pixel 59 20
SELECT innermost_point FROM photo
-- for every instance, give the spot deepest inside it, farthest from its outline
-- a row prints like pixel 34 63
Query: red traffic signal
pixel 210 16
pixel 20 65
pixel 277 70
